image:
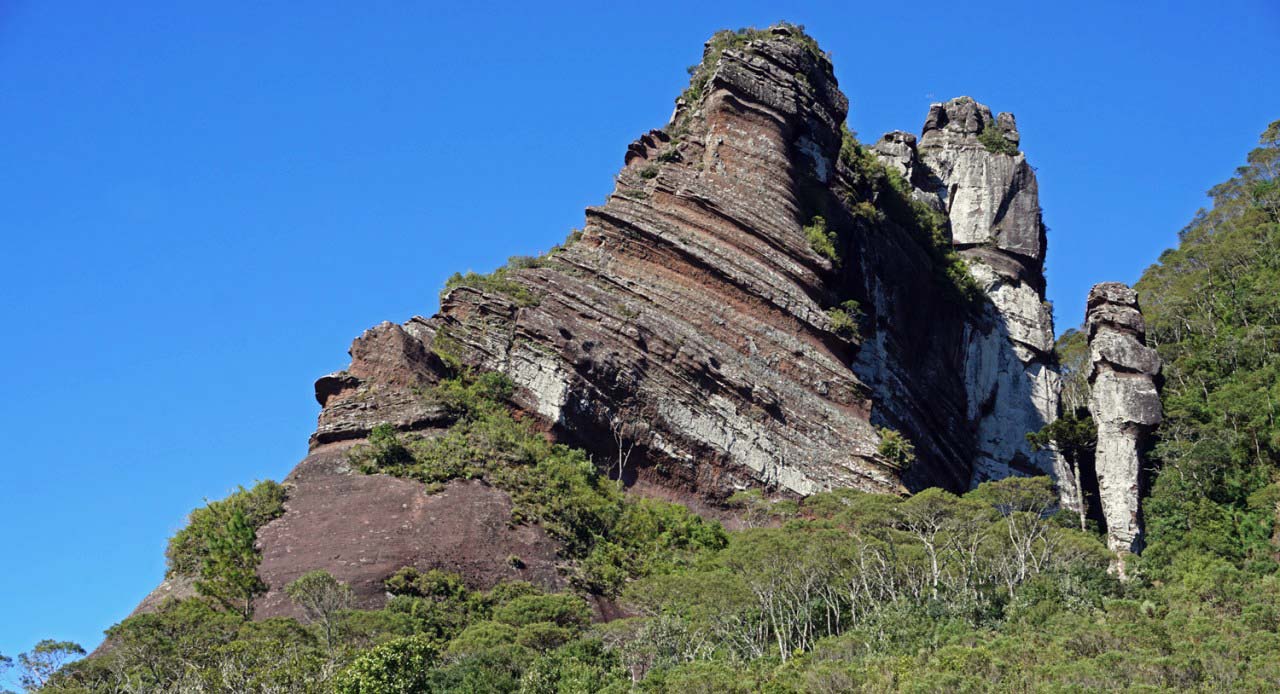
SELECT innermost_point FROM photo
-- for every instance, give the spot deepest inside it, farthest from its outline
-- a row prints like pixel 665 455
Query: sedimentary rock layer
pixel 695 302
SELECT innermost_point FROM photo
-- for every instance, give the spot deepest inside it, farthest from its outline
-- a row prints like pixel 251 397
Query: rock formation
pixel 989 194
pixel 748 292
pixel 1125 402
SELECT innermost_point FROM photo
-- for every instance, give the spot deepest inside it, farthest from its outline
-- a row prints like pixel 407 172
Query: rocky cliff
pixel 760 302
pixel 1125 403
pixel 967 165
pixel 695 301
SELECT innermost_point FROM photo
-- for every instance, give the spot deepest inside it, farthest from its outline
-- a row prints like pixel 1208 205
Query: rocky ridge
pixel 755 305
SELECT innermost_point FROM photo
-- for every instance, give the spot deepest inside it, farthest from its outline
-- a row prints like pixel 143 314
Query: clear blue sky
pixel 201 207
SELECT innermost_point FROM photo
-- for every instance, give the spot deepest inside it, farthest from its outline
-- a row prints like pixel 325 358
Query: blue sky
pixel 201 206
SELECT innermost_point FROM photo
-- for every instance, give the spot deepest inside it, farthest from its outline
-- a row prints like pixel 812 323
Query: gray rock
pixel 1125 402
pixel 897 150
pixel 992 203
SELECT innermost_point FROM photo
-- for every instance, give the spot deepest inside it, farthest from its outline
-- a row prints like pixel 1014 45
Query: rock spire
pixel 1124 375
pixel 967 166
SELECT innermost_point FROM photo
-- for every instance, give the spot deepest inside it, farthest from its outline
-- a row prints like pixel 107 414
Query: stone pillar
pixel 1125 402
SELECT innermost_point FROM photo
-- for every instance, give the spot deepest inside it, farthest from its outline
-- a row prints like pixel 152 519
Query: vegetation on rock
pixel 556 486
pixel 840 591
pixel 821 239
pixel 870 180
pixel 845 318
pixel 994 140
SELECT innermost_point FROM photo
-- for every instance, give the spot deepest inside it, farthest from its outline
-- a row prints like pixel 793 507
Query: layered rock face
pixel 990 196
pixel 694 302
pixel 701 307
pixel 1125 401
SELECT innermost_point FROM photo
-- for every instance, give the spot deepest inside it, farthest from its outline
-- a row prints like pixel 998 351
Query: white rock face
pixel 992 202
pixel 1126 408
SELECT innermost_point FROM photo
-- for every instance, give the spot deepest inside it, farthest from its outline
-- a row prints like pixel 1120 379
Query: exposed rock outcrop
pixel 694 300
pixel 991 198
pixel 748 293
pixel 1124 376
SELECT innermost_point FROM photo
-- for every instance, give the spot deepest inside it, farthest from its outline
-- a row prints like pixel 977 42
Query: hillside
pixel 783 416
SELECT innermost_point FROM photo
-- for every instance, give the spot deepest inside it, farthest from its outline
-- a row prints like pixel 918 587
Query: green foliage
pixel 821 239
pixel 741 39
pixel 993 139
pixel 400 666
pixel 845 590
pixel 482 636
pixel 876 571
pixel 845 319
pixel 433 584
pixel 499 281
pixel 217 547
pixel 649 537
pixel 1074 435
pixel 550 484
pixel 1213 312
pixel 229 571
pixel 895 449
pixel 385 448
pixel 189 548
pixel 562 610
pixel 757 510
pixel 44 660
pixel 1072 351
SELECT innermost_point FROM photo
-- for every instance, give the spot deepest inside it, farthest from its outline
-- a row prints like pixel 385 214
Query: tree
pixel 229 573
pixel 322 598
pixel 1074 436
pixel 399 666
pixel 46 658
pixel 929 517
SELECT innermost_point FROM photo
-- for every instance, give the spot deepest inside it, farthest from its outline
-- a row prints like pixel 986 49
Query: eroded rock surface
pixel 697 302
pixel 694 301
pixel 992 201
pixel 1124 376
pixel 363 528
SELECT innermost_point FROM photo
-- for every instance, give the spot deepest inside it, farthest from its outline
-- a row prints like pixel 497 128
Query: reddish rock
pixel 363 528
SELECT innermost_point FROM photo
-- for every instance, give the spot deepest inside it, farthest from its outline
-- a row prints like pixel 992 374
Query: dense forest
pixel 841 591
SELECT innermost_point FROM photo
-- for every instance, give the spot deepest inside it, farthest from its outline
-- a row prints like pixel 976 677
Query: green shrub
pixel 994 140
pixel 845 318
pixel 895 449
pixel 895 201
pixel 727 39
pixel 669 154
pixel 399 666
pixel 480 637
pixel 434 584
pixel 821 239
pixel 567 611
pixel 229 566
pixel 188 549
pixel 551 484
pixel 497 282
